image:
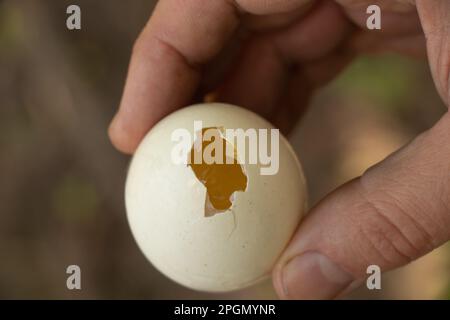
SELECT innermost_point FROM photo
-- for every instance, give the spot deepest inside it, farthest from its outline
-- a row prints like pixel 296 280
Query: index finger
pixel 164 67
pixel 164 72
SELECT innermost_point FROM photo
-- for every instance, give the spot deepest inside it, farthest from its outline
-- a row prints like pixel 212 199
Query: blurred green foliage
pixel 74 199
pixel 387 80
pixel 11 26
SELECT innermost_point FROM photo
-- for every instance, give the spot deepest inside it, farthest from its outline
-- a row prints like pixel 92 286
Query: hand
pixel 398 210
pixel 395 212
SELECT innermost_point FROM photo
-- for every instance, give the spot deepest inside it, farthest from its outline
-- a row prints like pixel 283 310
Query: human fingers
pixel 264 74
pixel 167 59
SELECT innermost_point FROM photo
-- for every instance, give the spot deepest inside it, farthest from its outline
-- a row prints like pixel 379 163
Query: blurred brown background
pixel 61 182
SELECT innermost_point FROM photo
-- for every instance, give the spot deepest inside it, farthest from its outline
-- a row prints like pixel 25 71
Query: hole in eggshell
pixel 222 178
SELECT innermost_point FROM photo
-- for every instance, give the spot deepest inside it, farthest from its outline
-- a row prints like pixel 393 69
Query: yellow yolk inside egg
pixel 221 179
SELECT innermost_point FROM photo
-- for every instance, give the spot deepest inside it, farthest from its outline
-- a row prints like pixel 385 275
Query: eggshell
pixel 166 203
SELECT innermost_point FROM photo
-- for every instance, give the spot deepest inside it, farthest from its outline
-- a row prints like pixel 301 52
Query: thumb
pixel 396 212
pixel 435 19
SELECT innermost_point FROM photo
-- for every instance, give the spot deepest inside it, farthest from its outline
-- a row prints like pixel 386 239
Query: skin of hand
pixel 270 56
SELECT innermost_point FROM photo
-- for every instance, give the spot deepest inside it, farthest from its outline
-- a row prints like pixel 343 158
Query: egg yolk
pixel 220 179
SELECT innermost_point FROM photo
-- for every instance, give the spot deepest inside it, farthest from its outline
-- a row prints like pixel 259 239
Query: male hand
pixel 396 211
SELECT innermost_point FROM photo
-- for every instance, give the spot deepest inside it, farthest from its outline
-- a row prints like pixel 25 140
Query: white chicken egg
pixel 180 219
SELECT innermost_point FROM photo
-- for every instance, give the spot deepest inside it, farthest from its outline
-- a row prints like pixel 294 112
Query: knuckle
pixel 381 240
pixel 389 230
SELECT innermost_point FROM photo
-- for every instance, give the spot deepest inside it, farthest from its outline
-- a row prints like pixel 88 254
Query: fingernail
pixel 313 276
